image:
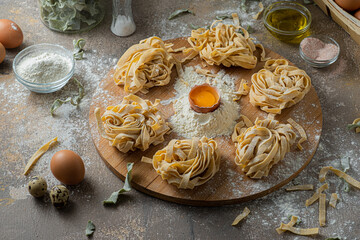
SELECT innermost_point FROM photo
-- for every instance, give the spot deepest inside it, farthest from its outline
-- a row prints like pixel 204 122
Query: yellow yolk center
pixel 204 98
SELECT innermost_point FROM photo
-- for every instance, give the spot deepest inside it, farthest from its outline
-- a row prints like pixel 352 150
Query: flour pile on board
pixel 188 123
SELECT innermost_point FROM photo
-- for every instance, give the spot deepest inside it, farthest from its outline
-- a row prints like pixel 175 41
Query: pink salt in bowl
pixel 319 51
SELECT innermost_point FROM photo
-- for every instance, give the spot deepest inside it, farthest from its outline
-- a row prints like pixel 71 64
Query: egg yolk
pixel 204 98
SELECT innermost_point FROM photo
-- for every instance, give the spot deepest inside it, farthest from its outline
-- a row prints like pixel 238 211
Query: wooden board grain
pixel 229 185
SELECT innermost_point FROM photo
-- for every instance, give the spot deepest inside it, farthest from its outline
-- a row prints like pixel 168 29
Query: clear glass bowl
pixel 320 63
pixel 40 48
pixel 287 36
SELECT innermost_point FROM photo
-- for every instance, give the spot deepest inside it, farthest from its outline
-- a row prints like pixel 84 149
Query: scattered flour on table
pixel 69 124
pixel 18 193
pixel 188 123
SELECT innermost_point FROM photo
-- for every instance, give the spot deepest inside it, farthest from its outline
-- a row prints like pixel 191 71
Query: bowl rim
pixel 289 3
pixel 320 62
pixel 34 84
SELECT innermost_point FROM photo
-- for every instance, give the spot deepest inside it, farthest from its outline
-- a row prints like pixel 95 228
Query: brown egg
pixel 11 35
pixel 357 14
pixel 67 167
pixel 349 5
pixel 2 53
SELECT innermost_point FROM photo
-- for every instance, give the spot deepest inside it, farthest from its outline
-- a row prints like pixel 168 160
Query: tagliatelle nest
pixel 187 163
pixel 144 66
pixel 224 44
pixel 134 124
pixel 278 86
pixel 261 146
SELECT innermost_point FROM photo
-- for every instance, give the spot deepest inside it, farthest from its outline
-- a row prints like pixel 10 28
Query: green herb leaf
pixel 192 26
pixel 90 228
pixel 223 17
pixel 347 186
pixel 73 100
pixel 179 12
pixel 243 6
pixel 79 44
pixel 345 165
pixel 335 238
pixel 249 29
pixel 307 2
pixel 126 188
pixel 79 48
pixel 352 126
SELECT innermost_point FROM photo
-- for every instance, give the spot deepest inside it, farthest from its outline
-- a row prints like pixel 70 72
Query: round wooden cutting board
pixel 230 185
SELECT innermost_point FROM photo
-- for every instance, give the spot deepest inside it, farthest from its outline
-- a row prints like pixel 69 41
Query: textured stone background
pixel 25 124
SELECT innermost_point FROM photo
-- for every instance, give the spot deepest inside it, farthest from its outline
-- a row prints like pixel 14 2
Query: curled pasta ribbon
pixel 299 231
pixel 187 163
pixel 242 91
pixel 224 44
pixel 144 66
pixel 260 147
pixel 133 124
pixel 272 64
pixel 341 174
pixel 278 86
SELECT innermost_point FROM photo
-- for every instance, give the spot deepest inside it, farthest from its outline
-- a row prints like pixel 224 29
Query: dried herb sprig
pixel 79 48
pixel 73 100
pixel 90 228
pixel 352 126
pixel 179 12
pixel 345 165
pixel 126 188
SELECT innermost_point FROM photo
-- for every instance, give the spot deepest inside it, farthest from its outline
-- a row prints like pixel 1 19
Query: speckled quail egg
pixel 37 186
pixel 59 196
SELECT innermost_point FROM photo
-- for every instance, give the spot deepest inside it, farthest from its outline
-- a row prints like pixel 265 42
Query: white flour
pixel 44 67
pixel 188 123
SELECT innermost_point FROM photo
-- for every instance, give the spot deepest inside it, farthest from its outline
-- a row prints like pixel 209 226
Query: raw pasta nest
pixel 278 86
pixel 144 66
pixel 187 163
pixel 224 44
pixel 134 124
pixel 262 145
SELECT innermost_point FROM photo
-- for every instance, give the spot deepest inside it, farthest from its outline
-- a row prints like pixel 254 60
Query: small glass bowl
pixel 320 63
pixel 287 36
pixel 40 48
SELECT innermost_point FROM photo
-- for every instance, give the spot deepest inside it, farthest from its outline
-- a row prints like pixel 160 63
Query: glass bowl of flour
pixel 44 68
